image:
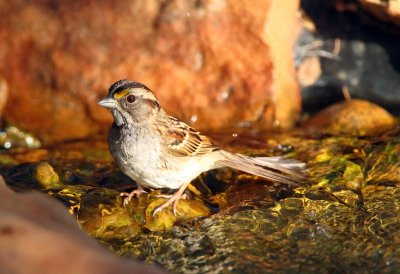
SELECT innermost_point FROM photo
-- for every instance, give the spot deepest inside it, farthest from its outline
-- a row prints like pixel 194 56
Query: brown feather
pixel 182 140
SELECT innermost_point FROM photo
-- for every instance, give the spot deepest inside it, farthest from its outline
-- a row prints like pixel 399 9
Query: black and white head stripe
pixel 125 84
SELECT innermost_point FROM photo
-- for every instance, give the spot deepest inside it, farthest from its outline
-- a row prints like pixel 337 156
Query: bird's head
pixel 130 103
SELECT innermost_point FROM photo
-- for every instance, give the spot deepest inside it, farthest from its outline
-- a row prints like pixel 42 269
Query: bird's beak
pixel 107 102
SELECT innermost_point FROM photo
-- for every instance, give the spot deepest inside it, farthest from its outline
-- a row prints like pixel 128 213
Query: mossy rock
pixel 186 210
pixel 46 176
pixel 102 215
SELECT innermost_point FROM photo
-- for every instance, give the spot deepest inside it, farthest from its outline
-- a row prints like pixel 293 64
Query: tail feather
pixel 272 168
pixel 282 164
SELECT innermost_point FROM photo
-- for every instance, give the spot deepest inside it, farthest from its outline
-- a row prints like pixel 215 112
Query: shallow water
pixel 346 219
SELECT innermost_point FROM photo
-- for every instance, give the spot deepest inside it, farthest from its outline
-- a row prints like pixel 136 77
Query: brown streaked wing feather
pixel 185 141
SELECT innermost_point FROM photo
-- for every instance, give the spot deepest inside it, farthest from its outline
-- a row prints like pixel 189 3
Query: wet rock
pixel 46 176
pixel 354 176
pixel 40 233
pixel 212 59
pixel 103 216
pixel 186 210
pixel 12 137
pixel 354 117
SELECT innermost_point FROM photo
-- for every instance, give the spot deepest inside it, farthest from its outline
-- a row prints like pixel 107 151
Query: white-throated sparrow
pixel 159 151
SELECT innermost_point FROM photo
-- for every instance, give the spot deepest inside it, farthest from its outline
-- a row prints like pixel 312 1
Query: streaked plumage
pixel 160 151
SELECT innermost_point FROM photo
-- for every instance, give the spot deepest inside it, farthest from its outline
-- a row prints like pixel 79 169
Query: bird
pixel 159 151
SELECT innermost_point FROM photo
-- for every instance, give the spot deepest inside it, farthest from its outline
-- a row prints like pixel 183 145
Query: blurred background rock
pixel 244 62
pixel 215 64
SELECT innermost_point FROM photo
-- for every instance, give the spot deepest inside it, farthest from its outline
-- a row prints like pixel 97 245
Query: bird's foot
pixel 173 199
pixel 128 196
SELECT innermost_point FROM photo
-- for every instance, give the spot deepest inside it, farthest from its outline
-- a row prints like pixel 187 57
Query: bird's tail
pixel 273 168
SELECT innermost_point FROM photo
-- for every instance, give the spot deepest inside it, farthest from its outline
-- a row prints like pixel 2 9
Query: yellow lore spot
pixel 120 94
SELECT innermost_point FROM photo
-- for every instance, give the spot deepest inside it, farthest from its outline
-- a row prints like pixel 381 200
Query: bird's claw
pixel 174 199
pixel 136 192
pixel 158 209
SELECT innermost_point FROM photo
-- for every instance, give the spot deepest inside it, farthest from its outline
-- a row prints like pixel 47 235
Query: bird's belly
pixel 145 164
pixel 161 174
pixel 168 175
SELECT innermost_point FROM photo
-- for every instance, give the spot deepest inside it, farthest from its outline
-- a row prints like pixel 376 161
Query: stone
pixel 354 118
pixel 102 215
pixel 186 210
pixel 46 176
pixel 217 64
pixel 4 91
pixel 12 137
pixel 38 235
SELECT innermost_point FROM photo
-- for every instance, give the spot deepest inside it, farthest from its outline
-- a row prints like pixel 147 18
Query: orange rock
pixel 215 64
pixel 3 94
pixel 354 117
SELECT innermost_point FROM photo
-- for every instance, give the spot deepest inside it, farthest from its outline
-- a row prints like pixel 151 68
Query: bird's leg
pixel 174 199
pixel 136 192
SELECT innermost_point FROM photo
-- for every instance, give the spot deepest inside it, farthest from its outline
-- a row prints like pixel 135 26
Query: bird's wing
pixel 182 140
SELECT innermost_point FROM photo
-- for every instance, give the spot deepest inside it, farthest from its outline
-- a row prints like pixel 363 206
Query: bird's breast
pixel 140 155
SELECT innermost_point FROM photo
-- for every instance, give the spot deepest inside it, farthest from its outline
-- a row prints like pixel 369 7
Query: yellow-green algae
pixel 47 176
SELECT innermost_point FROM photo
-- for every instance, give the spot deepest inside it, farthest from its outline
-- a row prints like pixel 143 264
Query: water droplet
pixel 193 119
pixel 29 140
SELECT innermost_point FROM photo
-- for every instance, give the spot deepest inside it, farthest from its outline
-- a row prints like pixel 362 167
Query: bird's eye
pixel 130 99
